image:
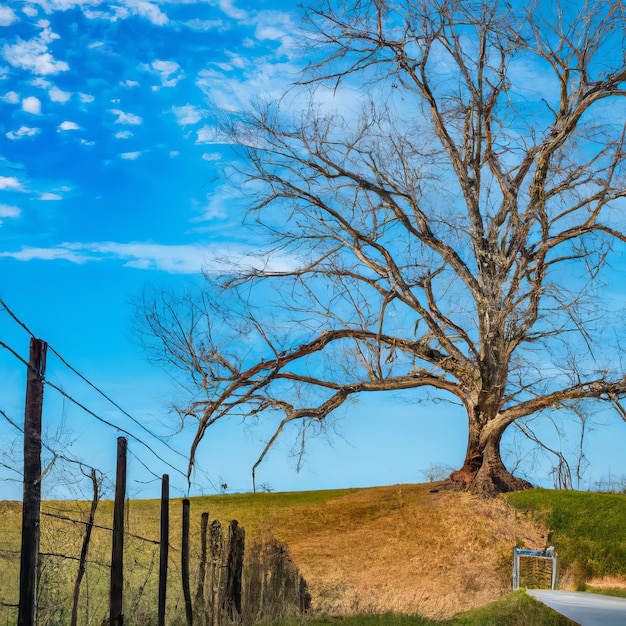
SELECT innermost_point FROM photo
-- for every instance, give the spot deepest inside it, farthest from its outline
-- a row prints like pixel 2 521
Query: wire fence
pixel 75 551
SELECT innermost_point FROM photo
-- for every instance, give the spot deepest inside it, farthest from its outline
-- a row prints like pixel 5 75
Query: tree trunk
pixel 483 471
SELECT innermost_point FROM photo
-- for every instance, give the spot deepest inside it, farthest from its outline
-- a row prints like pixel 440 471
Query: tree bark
pixel 483 471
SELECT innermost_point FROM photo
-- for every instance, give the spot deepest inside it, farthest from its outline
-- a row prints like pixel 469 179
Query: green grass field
pixel 514 609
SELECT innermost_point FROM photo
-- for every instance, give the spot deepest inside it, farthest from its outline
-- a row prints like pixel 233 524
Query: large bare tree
pixel 444 209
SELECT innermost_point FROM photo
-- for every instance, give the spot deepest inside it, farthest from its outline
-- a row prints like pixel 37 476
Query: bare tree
pixel 445 226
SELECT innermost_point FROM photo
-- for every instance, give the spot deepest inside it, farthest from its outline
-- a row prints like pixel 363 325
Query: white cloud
pixel 58 95
pixel 165 69
pixel 123 134
pixel 206 25
pixel 122 9
pixel 130 156
pixel 129 119
pixel 181 259
pixel 11 97
pixel 11 183
pixel 174 153
pixel 113 14
pixel 212 156
pixel 33 55
pixel 129 83
pixel 86 97
pixel 23 131
pixel 227 6
pixel 31 105
pixel 66 125
pixel 29 10
pixel 148 10
pixel 9 211
pixel 187 114
pixel 40 82
pixel 7 16
pixel 45 254
pixel 47 196
pixel 234 93
pixel 211 135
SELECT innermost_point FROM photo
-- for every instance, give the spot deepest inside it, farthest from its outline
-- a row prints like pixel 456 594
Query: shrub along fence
pixel 67 577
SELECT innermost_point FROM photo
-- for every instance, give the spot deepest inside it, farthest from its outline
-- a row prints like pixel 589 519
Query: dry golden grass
pixel 405 549
pixel 401 548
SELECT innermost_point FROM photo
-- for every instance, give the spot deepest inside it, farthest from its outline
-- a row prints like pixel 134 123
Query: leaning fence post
pixel 116 617
pixel 31 502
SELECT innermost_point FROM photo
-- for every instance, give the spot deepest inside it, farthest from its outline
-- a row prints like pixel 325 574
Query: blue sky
pixel 108 182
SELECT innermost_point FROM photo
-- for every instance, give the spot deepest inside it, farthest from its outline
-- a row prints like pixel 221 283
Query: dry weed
pixel 405 549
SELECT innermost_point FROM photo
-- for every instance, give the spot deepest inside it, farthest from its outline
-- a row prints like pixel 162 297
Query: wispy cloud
pixel 50 197
pixel 130 156
pixel 128 119
pixel 33 55
pixel 146 9
pixel 45 254
pixel 187 115
pixel 7 16
pixel 11 183
pixel 206 25
pixel 168 71
pixel 229 8
pixel 173 259
pixel 7 210
pixel 23 131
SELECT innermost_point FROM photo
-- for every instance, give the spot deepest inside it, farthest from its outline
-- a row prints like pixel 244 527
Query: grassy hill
pixel 409 549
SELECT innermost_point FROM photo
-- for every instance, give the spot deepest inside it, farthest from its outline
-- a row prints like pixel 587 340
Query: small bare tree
pixel 450 234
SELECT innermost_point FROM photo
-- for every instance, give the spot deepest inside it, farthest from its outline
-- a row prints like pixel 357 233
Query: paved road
pixel 586 609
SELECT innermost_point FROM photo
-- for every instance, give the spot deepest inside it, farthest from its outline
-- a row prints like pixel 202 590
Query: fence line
pixel 232 585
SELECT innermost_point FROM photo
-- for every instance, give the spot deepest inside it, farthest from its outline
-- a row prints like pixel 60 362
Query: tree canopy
pixel 444 191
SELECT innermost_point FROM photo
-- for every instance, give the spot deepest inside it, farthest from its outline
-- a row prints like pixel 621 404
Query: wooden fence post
pixel 31 503
pixel 200 600
pixel 164 547
pixel 217 556
pixel 185 563
pixel 234 570
pixel 116 617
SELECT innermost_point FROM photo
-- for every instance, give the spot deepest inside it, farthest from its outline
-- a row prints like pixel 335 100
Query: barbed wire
pixel 115 404
pixel 112 425
pixel 82 406
pixel 16 318
pixel 67 518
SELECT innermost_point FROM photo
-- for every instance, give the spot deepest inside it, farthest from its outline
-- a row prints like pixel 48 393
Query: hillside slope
pixel 402 548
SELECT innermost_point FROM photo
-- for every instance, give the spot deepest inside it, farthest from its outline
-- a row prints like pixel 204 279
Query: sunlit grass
pixel 586 528
pixel 514 609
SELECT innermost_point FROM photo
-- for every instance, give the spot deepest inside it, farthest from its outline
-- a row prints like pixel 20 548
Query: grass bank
pixel 587 529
